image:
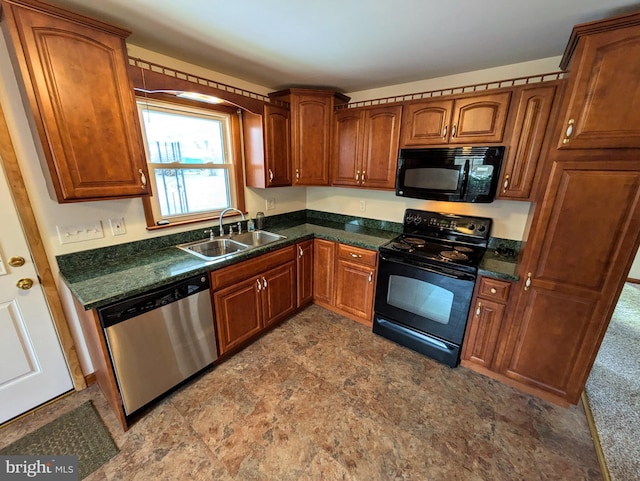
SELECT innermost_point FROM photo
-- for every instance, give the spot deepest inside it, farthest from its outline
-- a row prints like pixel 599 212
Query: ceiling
pixel 349 45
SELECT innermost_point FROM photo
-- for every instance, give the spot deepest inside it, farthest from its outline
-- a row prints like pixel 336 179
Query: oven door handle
pixel 421 266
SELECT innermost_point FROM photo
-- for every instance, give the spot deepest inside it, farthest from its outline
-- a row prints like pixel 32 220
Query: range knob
pixel 472 227
pixel 482 228
pixel 417 219
pixel 408 218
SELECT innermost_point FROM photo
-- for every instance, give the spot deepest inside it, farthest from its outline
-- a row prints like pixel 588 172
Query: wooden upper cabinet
pixel 74 70
pixel 599 56
pixel 530 116
pixel 267 147
pixel 311 113
pixel 365 147
pixel 347 140
pixel 464 120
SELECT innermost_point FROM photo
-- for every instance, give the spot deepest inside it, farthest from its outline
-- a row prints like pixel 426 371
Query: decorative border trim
pixel 514 82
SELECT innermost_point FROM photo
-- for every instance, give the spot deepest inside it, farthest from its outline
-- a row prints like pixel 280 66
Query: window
pixel 193 162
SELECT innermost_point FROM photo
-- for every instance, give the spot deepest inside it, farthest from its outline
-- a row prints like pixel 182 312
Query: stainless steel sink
pixel 257 238
pixel 212 249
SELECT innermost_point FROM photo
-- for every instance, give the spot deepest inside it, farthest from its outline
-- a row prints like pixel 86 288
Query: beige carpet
pixel 613 389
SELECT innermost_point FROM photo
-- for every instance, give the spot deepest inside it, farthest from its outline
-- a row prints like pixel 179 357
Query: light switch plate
pixel 271 203
pixel 80 232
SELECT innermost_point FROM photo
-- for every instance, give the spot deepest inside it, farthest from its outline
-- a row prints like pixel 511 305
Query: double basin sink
pixel 217 248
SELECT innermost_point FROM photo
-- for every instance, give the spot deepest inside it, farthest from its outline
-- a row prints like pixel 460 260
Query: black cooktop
pixel 436 238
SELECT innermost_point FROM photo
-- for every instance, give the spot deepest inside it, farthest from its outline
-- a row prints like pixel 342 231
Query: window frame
pixel 236 172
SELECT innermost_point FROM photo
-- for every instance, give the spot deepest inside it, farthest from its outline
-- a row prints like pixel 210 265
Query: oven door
pixel 424 298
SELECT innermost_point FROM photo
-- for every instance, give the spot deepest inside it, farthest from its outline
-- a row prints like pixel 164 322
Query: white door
pixel 33 369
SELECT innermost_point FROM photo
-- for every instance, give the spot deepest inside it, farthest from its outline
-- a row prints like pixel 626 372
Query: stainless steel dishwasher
pixel 159 339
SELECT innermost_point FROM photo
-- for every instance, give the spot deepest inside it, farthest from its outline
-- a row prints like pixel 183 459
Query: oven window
pixel 421 298
pixel 432 178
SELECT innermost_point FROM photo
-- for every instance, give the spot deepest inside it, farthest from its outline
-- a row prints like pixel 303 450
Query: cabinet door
pixel 355 289
pixel 426 123
pixel 304 273
pixel 277 146
pixel 347 140
pixel 278 293
pixel 238 313
pixel 480 118
pixel 603 99
pixel 485 322
pixel 582 243
pixel 380 149
pixel 530 125
pixel 323 271
pixel 75 75
pixel 311 134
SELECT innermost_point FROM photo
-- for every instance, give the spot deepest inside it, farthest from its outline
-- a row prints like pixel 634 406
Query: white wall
pixel 509 217
pixel 634 273
pixel 524 69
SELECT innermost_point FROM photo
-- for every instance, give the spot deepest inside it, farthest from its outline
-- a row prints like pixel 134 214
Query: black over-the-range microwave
pixel 455 174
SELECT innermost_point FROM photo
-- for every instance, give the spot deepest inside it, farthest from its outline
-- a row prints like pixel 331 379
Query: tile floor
pixel 322 398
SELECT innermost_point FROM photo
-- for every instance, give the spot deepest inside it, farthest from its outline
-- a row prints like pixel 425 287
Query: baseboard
pixel 90 379
pixel 633 281
pixel 604 469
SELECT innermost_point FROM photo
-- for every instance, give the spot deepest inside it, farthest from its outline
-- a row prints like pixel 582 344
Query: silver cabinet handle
pixel 363 175
pixel 444 134
pixel 569 131
pixel 300 251
pixel 297 174
pixel 264 283
pixel 506 183
pixel 370 276
pixel 527 283
pixel 270 175
pixel 356 256
pixel 357 176
pixel 479 309
pixel 259 285
pixel 453 131
pixel 143 178
pixel 493 290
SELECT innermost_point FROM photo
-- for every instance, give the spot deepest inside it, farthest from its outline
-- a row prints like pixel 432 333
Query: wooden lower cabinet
pixel 323 271
pixel 485 323
pixel 253 295
pixel 344 279
pixel 355 282
pixel 238 314
pixel 304 272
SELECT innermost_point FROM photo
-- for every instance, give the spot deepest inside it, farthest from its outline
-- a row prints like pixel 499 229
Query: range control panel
pixel 439 224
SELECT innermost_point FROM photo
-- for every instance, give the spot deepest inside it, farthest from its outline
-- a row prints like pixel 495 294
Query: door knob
pixel 16 261
pixel 25 284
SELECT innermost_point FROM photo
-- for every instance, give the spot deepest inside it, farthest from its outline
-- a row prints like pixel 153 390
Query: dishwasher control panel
pixel 134 306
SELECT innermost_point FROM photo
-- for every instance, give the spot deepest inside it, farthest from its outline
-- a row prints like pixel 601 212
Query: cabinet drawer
pixel 494 289
pixel 245 269
pixel 356 254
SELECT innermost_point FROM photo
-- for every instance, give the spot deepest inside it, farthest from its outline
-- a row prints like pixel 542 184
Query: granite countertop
pixel 102 276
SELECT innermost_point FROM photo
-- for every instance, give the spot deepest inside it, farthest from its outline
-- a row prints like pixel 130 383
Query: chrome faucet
pixel 223 213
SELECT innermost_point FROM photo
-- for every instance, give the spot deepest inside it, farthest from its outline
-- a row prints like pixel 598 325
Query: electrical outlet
pixel 79 232
pixel 117 226
pixel 363 206
pixel 271 203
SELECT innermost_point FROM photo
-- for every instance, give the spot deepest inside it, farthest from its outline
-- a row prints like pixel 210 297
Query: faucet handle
pixel 239 224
